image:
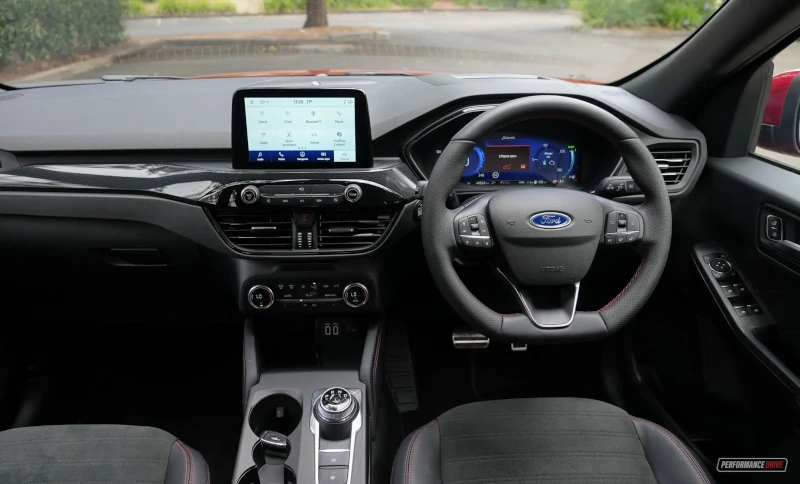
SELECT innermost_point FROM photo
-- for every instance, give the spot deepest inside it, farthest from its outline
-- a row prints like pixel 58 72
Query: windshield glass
pixel 583 40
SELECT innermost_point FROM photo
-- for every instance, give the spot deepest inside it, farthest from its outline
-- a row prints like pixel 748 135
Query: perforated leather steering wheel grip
pixel 441 248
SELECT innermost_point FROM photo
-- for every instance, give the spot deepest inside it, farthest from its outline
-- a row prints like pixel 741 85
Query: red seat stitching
pixel 680 446
pixel 185 463
pixel 191 467
pixel 414 448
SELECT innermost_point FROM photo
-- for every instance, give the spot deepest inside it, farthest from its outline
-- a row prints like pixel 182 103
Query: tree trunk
pixel 316 13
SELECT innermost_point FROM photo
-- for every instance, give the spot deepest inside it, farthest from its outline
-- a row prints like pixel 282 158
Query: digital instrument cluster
pixel 519 159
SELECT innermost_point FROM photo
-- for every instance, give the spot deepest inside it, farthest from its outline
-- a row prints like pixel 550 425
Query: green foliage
pixel 43 29
pixel 284 6
pixel 675 14
pixel 616 13
pixel 359 4
pixel 195 6
pixel 413 3
pixel 682 14
pixel 514 3
pixel 136 8
pixel 287 6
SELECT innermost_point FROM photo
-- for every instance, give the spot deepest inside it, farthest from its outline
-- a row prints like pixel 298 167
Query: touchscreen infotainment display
pixel 300 128
pixel 303 129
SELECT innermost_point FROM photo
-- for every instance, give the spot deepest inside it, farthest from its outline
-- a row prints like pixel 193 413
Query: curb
pixel 334 42
pixel 83 66
pixel 633 33
pixel 396 10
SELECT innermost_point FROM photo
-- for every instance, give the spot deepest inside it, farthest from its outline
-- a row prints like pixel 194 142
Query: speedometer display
pixel 513 158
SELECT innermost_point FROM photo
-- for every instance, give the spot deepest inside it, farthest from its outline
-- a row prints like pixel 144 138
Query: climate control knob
pixel 250 194
pixel 355 295
pixel 352 193
pixel 261 297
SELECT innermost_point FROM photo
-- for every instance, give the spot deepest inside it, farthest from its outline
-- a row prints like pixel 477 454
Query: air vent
pixel 257 232
pixel 673 163
pixel 351 230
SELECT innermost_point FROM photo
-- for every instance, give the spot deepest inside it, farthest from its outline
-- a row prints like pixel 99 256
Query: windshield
pixel 583 40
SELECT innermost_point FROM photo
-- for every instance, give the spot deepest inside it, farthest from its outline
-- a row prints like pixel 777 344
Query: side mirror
pixel 780 128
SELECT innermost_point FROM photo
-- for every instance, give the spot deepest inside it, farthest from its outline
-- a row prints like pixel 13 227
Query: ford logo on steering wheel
pixel 550 220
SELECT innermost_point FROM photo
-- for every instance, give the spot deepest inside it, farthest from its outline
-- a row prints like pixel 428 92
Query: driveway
pixel 519 42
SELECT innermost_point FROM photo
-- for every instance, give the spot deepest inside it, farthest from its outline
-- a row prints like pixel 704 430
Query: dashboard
pixel 305 216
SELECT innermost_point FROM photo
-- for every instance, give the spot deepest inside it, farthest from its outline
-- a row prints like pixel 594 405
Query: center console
pixel 324 427
pixel 306 224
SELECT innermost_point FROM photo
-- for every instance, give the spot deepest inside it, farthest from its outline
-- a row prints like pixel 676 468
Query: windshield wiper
pixel 134 77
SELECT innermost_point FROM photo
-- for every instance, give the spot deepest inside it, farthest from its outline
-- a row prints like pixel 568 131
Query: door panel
pixel 742 195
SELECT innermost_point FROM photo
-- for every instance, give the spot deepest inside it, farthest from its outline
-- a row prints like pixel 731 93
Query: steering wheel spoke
pixel 547 307
pixel 471 226
pixel 623 224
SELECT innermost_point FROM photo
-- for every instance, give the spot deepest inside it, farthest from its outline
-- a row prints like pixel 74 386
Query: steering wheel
pixel 546 237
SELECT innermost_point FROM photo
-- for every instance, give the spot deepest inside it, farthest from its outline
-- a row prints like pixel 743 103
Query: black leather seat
pixel 548 440
pixel 98 453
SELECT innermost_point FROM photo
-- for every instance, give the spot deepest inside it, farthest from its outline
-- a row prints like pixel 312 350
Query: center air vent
pixel 257 232
pixel 672 162
pixel 351 230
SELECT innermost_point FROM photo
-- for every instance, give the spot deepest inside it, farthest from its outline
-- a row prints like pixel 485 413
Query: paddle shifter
pixel 276 449
pixel 335 410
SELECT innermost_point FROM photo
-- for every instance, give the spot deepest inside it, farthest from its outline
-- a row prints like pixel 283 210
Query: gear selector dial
pixel 335 410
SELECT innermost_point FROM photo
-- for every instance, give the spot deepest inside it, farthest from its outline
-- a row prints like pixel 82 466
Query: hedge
pixel 674 14
pixel 43 29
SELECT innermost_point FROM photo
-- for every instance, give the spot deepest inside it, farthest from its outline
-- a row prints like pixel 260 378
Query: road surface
pixel 519 42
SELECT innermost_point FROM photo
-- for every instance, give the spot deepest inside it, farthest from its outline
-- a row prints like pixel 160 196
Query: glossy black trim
pixel 190 182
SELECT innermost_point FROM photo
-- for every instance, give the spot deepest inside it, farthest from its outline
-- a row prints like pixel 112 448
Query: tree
pixel 316 13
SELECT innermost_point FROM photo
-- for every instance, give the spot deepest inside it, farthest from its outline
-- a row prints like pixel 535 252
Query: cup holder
pixel 251 476
pixel 278 412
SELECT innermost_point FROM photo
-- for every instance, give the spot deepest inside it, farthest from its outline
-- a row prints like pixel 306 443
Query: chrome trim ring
pixel 356 284
pixel 250 297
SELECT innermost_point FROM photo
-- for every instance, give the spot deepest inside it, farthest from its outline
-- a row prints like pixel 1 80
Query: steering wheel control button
pixel 774 228
pixel 355 295
pixel 334 459
pixel 614 188
pixel 611 239
pixel 352 193
pixel 261 297
pixel 250 194
pixel 720 265
pixel 473 231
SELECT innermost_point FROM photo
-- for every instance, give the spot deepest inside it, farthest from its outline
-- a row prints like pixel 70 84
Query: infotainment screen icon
pixel 310 128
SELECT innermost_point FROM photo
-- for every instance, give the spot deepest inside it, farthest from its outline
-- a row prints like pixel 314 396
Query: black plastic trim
pixel 746 328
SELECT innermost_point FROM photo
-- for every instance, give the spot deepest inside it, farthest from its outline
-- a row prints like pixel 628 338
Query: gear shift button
pixel 333 475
